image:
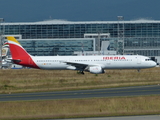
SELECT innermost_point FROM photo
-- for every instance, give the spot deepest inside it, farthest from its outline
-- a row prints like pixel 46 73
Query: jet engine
pixel 96 70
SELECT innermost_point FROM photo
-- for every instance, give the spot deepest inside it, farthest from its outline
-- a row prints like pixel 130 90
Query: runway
pixel 146 117
pixel 78 94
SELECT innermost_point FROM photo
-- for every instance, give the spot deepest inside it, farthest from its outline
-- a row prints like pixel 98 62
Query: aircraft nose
pixel 154 64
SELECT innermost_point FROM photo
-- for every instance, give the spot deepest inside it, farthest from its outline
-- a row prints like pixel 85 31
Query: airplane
pixel 92 64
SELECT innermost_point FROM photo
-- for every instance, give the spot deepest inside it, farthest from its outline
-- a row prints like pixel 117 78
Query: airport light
pixel 120 41
pixel 1 33
pixel 99 43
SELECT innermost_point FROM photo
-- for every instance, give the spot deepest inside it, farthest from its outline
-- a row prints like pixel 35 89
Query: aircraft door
pixel 139 60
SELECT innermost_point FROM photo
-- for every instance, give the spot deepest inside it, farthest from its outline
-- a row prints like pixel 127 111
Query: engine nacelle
pixel 96 70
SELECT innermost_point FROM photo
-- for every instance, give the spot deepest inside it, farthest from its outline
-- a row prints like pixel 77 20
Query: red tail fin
pixel 19 54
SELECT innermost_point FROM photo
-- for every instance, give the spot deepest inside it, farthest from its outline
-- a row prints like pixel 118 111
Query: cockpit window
pixel 148 60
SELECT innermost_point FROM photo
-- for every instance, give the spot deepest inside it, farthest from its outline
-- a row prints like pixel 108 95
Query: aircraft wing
pixel 78 66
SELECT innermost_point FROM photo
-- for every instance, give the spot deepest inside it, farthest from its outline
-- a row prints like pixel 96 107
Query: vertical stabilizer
pixel 17 51
pixel 19 54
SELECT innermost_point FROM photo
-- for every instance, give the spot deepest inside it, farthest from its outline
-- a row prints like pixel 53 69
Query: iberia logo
pixel 114 58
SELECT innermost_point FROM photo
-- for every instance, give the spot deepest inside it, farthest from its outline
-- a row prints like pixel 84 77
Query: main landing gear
pixel 80 72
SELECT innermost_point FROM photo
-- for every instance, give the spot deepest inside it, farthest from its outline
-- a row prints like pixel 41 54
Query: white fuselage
pixel 106 62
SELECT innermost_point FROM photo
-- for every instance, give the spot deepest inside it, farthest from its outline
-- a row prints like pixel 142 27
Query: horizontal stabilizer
pixel 14 60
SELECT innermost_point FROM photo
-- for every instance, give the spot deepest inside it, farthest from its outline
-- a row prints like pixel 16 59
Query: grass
pixel 32 80
pixel 80 108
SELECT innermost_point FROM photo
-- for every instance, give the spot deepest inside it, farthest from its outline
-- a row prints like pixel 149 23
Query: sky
pixel 78 10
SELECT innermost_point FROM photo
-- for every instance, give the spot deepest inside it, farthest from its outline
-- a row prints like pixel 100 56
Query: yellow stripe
pixel 11 38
